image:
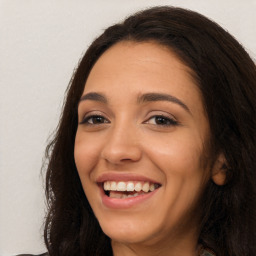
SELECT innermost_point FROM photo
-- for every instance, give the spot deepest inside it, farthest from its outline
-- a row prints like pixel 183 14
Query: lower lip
pixel 125 203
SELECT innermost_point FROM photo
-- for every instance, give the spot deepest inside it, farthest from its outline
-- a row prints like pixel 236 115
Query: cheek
pixel 181 154
pixel 86 154
pixel 179 158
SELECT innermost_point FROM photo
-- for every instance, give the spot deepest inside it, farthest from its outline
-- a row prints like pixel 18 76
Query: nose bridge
pixel 122 143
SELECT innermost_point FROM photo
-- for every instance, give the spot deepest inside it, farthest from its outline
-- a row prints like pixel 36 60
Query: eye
pixel 94 120
pixel 161 120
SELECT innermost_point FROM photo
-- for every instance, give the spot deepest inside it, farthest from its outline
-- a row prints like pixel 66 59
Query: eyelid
pixel 172 121
pixel 165 115
pixel 91 114
pixel 153 113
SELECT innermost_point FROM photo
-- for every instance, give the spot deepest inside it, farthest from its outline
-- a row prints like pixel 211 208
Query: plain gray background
pixel 41 43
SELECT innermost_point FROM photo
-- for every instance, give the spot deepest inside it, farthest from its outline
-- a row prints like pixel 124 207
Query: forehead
pixel 129 59
pixel 137 67
pixel 143 56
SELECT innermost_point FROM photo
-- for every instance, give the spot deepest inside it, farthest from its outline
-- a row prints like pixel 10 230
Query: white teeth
pixel 145 187
pixel 138 187
pixel 113 185
pixel 130 186
pixel 121 186
pixel 152 187
pixel 106 185
pixel 118 195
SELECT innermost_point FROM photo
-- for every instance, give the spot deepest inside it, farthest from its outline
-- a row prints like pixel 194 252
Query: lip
pixel 125 203
pixel 123 177
pixel 116 203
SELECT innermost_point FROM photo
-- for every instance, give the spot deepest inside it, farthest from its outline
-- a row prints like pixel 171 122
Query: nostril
pixel 120 151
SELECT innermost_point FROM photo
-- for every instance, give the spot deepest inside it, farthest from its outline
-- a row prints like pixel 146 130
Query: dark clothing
pixel 43 254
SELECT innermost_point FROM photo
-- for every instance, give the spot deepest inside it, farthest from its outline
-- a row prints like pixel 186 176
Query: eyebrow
pixel 95 97
pixel 151 97
pixel 144 98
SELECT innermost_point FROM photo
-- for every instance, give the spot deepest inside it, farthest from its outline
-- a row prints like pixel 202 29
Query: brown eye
pixel 162 120
pixel 94 120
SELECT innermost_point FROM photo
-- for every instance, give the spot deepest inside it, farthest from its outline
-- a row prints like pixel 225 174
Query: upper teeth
pixel 129 186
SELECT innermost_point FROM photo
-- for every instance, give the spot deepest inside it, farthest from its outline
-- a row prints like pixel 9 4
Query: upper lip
pixel 110 176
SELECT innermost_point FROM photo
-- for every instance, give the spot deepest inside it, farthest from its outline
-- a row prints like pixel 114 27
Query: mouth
pixel 128 189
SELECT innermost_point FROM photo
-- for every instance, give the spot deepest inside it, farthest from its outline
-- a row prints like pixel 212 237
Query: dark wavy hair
pixel 226 77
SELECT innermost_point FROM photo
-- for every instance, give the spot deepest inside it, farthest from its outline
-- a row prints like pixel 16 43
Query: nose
pixel 122 146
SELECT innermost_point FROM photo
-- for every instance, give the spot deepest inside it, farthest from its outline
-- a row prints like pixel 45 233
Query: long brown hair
pixel 226 76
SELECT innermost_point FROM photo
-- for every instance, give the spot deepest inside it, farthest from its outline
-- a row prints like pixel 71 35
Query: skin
pixel 128 138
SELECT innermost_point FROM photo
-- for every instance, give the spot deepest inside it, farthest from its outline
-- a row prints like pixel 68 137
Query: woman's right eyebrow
pixel 95 96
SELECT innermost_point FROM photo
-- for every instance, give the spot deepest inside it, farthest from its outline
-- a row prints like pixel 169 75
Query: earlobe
pixel 219 170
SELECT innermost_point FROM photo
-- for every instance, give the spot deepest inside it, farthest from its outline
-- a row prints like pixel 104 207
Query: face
pixel 139 147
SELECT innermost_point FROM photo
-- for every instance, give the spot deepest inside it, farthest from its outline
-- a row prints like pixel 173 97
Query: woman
pixel 154 152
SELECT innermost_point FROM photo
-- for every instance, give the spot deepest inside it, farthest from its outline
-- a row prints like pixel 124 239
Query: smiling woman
pixel 154 153
pixel 141 136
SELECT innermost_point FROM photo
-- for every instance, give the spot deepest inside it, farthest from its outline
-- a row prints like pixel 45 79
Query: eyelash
pixel 163 120
pixel 95 117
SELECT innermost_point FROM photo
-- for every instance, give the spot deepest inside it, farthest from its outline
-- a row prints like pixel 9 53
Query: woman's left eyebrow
pixel 149 97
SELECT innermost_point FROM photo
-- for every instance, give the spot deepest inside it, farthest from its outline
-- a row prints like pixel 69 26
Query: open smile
pixel 127 191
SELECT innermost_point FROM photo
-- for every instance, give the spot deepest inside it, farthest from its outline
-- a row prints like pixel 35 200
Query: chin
pixel 129 231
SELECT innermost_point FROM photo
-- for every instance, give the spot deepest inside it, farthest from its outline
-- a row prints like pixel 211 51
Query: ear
pixel 219 170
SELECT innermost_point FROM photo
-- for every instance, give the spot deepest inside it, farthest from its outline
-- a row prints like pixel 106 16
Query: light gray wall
pixel 40 44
